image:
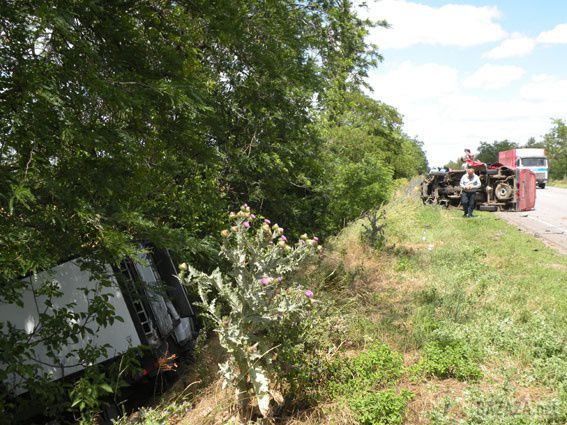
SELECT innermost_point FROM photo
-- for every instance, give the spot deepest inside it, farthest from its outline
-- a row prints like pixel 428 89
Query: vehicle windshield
pixel 534 162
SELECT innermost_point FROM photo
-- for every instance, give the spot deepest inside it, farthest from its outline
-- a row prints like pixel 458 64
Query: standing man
pixel 470 183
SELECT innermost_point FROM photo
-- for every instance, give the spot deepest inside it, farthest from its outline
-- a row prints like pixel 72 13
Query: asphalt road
pixel 549 219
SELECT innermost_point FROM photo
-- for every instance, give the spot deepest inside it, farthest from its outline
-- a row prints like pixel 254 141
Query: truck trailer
pixel 154 308
pixel 533 159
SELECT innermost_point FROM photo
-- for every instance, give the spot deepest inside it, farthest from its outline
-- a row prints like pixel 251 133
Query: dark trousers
pixel 467 200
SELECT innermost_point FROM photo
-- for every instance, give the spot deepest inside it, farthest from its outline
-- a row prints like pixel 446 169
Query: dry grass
pixel 213 406
pixel 323 414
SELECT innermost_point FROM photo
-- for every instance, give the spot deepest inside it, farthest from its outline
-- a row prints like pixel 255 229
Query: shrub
pixel 381 408
pixel 254 303
pixel 375 367
pixel 373 231
pixel 448 357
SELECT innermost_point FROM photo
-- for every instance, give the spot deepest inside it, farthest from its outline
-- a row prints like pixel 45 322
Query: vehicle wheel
pixel 542 185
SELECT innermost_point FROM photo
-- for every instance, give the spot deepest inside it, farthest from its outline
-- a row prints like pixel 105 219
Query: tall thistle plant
pixel 253 303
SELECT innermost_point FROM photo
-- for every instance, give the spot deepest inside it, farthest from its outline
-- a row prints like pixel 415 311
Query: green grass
pixel 498 295
pixel 471 300
pixel 558 183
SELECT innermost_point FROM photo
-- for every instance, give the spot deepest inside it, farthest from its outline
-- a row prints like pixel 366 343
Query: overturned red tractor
pixel 503 189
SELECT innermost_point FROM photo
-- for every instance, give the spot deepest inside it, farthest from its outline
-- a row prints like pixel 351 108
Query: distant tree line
pixel 148 120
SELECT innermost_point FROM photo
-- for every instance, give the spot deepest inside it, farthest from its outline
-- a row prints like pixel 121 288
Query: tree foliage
pixel 488 152
pixel 147 120
pixel 555 144
pixel 364 150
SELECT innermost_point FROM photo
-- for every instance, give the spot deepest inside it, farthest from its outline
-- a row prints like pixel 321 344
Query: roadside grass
pixel 454 321
pixel 489 307
pixel 558 183
pixel 477 309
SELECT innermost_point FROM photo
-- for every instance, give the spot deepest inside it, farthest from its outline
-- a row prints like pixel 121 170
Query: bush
pixel 448 357
pixel 255 304
pixel 381 408
pixel 375 367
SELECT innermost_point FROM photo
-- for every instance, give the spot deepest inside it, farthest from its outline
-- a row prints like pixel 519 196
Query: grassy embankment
pixel 455 321
pixel 558 183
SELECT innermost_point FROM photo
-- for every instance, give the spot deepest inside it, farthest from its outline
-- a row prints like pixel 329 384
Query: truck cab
pixel 532 159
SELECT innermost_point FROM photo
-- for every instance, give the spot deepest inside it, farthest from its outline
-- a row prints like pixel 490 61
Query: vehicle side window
pixel 518 162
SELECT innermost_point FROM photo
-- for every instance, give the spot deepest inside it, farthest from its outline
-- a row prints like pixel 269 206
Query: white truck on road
pixel 533 159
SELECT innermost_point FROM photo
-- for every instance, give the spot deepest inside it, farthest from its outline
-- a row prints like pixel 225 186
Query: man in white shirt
pixel 470 183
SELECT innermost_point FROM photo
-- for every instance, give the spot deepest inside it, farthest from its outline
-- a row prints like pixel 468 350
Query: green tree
pixel 488 152
pixel 555 144
pixel 144 120
pixel 365 149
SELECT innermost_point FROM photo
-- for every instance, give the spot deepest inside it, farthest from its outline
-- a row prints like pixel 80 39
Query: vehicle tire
pixel 542 185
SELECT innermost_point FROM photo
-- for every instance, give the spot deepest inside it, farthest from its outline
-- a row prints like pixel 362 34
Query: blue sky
pixel 461 72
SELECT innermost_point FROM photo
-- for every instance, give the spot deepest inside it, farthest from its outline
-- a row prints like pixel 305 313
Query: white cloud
pixel 517 45
pixel 449 25
pixel 545 88
pixel 491 76
pixel 557 35
pixel 439 110
pixel 409 80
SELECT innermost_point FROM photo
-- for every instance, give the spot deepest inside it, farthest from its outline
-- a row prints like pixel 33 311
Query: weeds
pixel 500 406
pixel 373 228
pixel 447 357
pixel 382 407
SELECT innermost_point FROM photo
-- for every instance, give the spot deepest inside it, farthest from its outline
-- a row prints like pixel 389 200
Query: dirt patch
pixel 428 395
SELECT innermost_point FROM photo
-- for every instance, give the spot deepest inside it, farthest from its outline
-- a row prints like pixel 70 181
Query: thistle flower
pixel 315 238
pixel 265 281
pixel 267 221
pixel 309 293
pixel 246 225
pixel 283 238
pixel 252 216
pixel 303 237
pixel 183 267
pixel 282 244
pixel 280 230
pixel 280 279
pixel 232 214
pixel 225 233
pixel 275 227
